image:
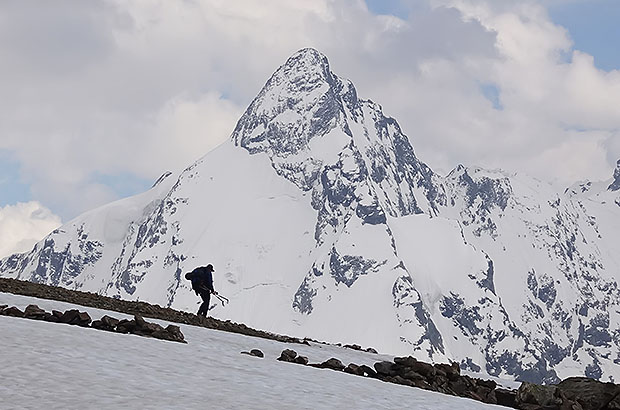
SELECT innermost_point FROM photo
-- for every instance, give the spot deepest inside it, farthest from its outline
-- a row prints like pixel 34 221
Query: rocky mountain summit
pixel 321 221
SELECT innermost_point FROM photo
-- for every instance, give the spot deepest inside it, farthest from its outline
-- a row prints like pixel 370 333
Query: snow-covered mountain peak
pixel 322 222
pixel 298 102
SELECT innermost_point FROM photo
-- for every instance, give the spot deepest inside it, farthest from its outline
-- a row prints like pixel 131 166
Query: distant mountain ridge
pixel 322 222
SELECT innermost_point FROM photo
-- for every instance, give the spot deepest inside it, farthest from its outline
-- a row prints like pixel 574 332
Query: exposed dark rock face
pixel 589 393
pixel 615 185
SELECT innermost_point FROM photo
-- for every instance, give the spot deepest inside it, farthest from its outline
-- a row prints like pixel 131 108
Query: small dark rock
pixel 333 364
pixel 83 319
pixel 13 311
pixel 385 368
pixel 300 360
pixel 144 328
pixel 51 318
pixel 125 326
pixel 371 350
pixel 368 371
pixel 352 368
pixel 171 332
pixel 74 317
pixel 57 314
pixel 254 352
pixel 34 312
pixel 2 307
pixel 353 346
pixel 287 355
pixel 109 322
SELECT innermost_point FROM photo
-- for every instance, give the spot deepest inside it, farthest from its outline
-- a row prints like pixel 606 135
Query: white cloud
pixel 24 224
pixel 115 87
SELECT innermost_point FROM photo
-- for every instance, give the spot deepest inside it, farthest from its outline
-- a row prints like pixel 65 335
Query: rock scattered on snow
pixel 137 325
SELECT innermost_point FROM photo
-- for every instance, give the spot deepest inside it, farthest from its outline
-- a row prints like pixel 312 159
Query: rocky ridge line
pixel 142 309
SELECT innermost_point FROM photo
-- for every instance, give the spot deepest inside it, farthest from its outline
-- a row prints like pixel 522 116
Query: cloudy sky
pixel 99 98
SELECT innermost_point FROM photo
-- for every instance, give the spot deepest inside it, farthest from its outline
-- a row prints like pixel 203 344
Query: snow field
pixel 55 366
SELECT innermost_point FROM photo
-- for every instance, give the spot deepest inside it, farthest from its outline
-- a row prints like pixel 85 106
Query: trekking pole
pixel 222 299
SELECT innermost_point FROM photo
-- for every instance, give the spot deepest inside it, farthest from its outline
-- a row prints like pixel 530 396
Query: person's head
pixel 210 268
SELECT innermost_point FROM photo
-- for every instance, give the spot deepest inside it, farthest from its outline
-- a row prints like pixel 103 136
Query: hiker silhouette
pixel 202 283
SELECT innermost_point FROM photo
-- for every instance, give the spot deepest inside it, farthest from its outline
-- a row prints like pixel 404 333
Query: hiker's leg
pixel 207 299
pixel 204 308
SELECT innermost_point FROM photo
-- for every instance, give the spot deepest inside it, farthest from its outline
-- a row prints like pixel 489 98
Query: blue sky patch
pixel 491 93
pixel 594 27
pixel 391 7
pixel 12 188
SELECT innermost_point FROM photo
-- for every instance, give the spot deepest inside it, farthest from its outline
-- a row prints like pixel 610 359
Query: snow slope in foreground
pixel 56 366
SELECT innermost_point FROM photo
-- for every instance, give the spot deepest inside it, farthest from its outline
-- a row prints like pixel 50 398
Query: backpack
pixel 198 278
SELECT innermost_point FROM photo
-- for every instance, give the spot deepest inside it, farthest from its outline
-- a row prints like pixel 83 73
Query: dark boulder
pixel 255 353
pixel 591 394
pixel 144 328
pixel 171 332
pixel 301 360
pixel 34 312
pixel 105 323
pixel 352 368
pixel 385 368
pixel 13 311
pixel 368 371
pixel 506 398
pixel 530 393
pixel 333 364
pixel 125 326
pixel 287 355
pixel 75 317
